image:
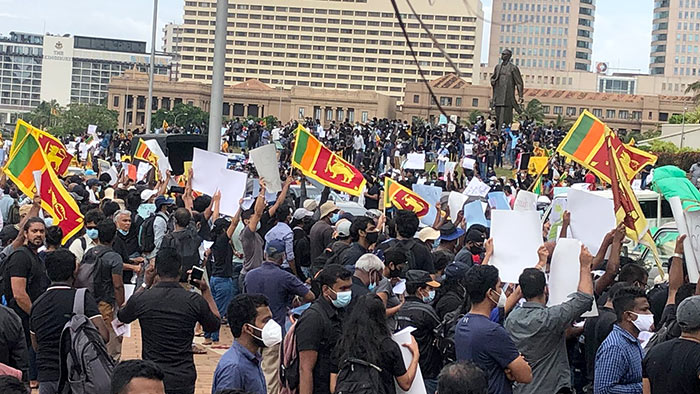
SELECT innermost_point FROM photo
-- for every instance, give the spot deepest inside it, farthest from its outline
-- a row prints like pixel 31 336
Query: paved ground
pixel 205 363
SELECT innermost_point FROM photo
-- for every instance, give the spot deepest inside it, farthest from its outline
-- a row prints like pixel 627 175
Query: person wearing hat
pixel 473 250
pixel 331 254
pixel 428 236
pixel 449 237
pixel 147 206
pixel 322 231
pixel 311 205
pixel 452 293
pixel 674 366
pixel 418 312
pixel 302 220
pixel 279 286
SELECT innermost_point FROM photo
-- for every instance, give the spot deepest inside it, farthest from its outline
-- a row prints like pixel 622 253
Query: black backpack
pixel 406 246
pixel 147 235
pixel 445 336
pixel 13 213
pixel 92 274
pixel 359 377
pixel 670 330
pixel 328 256
pixel 186 242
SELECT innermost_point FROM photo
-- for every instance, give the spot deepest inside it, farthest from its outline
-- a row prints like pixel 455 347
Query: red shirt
pixel 589 178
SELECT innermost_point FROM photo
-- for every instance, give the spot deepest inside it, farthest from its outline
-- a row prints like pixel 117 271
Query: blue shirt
pixel 238 368
pixel 488 345
pixel 278 285
pixel 281 231
pixel 618 364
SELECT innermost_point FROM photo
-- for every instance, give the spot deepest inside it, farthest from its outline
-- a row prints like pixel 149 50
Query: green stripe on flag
pixel 300 147
pixel 578 135
pixel 23 156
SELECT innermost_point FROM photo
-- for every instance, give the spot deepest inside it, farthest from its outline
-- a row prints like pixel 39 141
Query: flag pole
pixel 539 175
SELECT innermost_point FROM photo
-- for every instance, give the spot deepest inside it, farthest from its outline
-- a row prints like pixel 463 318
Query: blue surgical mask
pixel 335 217
pixel 91 233
pixel 430 297
pixel 257 227
pixel 48 221
pixel 145 210
pixel 372 286
pixel 123 232
pixel 342 298
pixel 436 243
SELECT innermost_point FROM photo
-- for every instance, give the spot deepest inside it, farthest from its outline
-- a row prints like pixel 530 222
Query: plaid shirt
pixel 618 364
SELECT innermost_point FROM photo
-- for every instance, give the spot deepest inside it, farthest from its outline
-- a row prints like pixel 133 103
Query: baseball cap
pixel 301 213
pixel 420 277
pixel 310 204
pixel 456 269
pixel 147 194
pixel 274 246
pixel 475 235
pixel 162 200
pixel 450 232
pixel 688 314
pixel 343 228
pixel 428 233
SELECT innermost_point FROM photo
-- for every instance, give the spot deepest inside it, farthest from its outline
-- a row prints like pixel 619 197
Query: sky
pixel 622 30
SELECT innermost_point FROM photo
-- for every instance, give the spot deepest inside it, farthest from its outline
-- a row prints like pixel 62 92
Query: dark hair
pixel 219 228
pixel 168 262
pixel 532 283
pixel 441 258
pixel 109 208
pixel 54 236
pixel 685 291
pixel 122 194
pixel 331 273
pixel 201 203
pixel 11 385
pixel 242 310
pixel 625 298
pixel 631 273
pixel 364 330
pixel 247 213
pixel 282 213
pixel 94 216
pixel 106 178
pixel 106 230
pixel 412 288
pixel 32 220
pixel 395 255
pixel 462 377
pixel 182 217
pixel 60 265
pixel 480 278
pixel 133 200
pixel 406 223
pixel 360 223
pixel 127 370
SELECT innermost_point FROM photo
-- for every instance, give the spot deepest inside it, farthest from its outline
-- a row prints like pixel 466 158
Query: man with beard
pixel 239 367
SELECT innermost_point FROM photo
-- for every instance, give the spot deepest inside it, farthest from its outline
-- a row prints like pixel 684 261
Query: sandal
pixel 196 349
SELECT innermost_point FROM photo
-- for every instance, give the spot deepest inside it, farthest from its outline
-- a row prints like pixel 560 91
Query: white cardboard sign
pixel 265 160
pixel 477 188
pixel 516 237
pixel 592 217
pixel 564 273
pixel 205 168
pixel 415 161
pixel 525 201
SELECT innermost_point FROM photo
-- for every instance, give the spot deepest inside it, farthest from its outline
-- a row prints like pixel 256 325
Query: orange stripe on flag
pixel 595 135
pixel 312 146
pixel 36 162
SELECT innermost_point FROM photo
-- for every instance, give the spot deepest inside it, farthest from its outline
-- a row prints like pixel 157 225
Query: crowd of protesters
pixel 312 295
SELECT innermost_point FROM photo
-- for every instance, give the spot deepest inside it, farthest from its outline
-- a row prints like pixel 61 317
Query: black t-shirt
pixel 24 263
pixel 420 315
pixel 50 312
pixel 222 257
pixel 371 203
pixel 673 367
pixel 391 364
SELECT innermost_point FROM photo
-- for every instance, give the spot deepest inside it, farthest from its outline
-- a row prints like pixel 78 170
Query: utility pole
pixel 149 99
pixel 217 79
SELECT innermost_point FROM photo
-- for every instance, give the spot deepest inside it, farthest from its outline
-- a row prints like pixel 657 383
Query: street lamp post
pixel 217 78
pixel 683 127
pixel 149 100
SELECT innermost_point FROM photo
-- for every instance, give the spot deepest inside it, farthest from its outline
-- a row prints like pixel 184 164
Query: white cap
pixel 147 194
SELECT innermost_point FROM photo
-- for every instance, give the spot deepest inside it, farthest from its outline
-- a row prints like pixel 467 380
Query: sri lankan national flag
pixel 586 144
pixel 165 124
pixel 61 205
pixel 316 161
pixel 398 196
pixel 55 151
pixel 627 208
pixel 26 158
pixel 143 152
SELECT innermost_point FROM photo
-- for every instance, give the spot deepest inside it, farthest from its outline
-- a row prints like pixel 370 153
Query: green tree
pixel 182 115
pixel 474 116
pixel 560 122
pixel 534 111
pixel 77 117
pixel 45 115
pixel 695 89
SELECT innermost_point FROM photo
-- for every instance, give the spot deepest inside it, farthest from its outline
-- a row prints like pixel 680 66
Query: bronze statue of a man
pixel 505 80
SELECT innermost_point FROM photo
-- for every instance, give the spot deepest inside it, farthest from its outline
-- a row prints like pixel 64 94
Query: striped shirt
pixel 618 364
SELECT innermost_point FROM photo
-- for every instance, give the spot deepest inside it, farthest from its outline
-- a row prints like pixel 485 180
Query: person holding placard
pixel 539 332
pixel 487 344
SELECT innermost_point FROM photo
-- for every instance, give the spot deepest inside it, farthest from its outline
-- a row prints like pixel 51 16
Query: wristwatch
pixel 679 255
pixel 144 285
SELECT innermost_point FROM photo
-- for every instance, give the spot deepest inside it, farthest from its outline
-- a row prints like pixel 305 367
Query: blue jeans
pixel 430 385
pixel 222 292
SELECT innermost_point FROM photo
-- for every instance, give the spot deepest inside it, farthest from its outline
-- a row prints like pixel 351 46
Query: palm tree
pixel 695 89
pixel 561 123
pixel 45 115
pixel 533 111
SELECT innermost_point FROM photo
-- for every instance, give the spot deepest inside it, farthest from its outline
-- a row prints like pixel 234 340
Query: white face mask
pixel 501 299
pixel 644 321
pixel 271 333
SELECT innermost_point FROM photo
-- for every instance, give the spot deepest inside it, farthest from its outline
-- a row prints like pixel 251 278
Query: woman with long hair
pixel 366 337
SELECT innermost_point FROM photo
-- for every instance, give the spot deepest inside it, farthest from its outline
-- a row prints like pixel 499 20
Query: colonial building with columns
pixel 128 92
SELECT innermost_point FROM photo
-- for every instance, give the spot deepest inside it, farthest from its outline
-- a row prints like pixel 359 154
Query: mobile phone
pixel 196 274
pixel 177 189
